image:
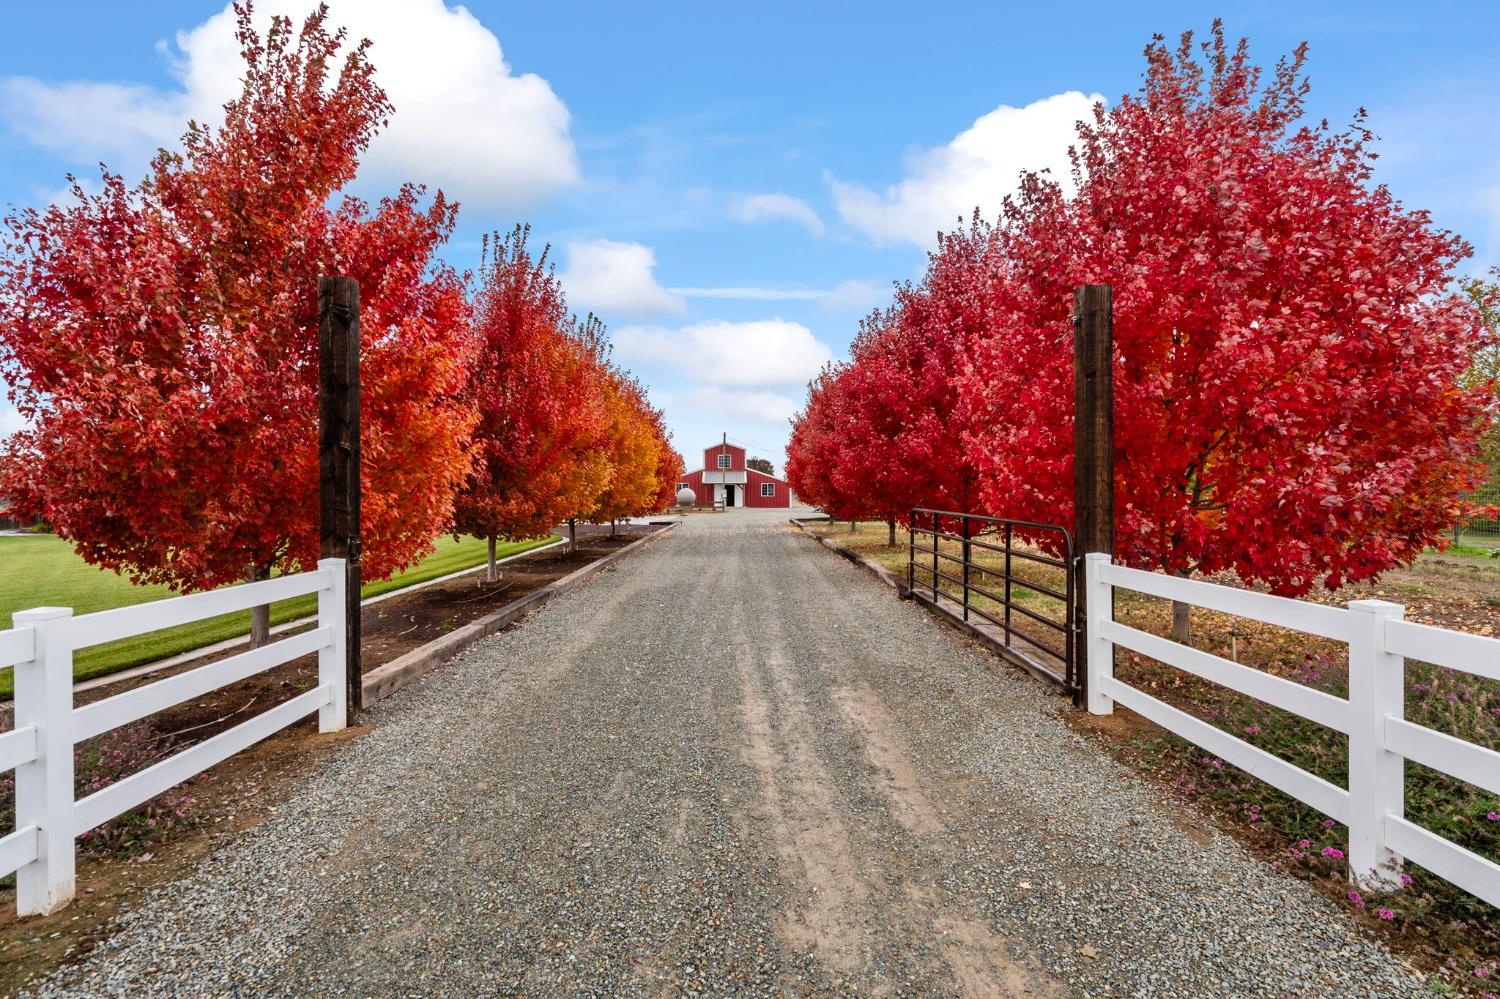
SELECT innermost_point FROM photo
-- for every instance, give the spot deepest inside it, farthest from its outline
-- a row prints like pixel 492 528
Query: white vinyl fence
pixel 1380 739
pixel 47 726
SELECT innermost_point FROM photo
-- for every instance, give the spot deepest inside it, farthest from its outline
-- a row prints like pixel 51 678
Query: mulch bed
pixel 242 790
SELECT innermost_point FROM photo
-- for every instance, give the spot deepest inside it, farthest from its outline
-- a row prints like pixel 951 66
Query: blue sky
pixel 732 186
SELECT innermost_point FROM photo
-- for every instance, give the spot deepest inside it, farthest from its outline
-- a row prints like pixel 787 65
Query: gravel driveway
pixel 733 765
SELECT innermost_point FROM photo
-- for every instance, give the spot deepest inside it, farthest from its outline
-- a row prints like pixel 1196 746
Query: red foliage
pixel 902 445
pixel 538 385
pixel 819 446
pixel 669 466
pixel 634 439
pixel 163 340
pixel 1288 396
pixel 1287 401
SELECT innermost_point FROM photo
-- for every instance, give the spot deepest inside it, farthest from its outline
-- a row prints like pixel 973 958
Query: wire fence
pixel 1484 529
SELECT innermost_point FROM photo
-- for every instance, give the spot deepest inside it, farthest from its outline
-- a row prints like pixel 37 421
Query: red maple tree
pixel 634 438
pixel 819 447
pixel 902 445
pixel 162 340
pixel 1288 347
pixel 538 385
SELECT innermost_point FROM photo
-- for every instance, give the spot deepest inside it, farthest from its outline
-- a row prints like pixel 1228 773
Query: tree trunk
pixel 851 527
pixel 612 527
pixel 890 535
pixel 572 535
pixel 492 574
pixel 1182 621
pixel 260 617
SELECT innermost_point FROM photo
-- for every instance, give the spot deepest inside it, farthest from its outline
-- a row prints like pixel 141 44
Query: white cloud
pixel 763 407
pixel 11 419
pixel 617 278
pixel 758 207
pixel 856 296
pixel 846 296
pixel 1489 254
pixel 754 294
pixel 86 122
pixel 760 354
pixel 977 169
pixel 463 121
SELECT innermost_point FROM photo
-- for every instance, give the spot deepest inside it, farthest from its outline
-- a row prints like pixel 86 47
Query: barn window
pixel 724 461
pixel 768 489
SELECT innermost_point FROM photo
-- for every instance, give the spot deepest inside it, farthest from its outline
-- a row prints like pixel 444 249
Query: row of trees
pixel 562 433
pixel 1291 399
pixel 161 341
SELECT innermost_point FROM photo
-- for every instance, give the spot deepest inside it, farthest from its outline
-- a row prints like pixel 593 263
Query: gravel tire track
pixel 731 765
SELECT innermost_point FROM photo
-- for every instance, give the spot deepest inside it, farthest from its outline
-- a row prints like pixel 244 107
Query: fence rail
pixel 1380 741
pixel 41 850
pixel 1049 645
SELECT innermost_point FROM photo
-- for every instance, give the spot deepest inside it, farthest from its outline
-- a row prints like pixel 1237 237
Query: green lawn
pixel 42 570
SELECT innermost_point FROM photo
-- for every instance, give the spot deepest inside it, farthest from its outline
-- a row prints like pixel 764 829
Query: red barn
pixel 725 479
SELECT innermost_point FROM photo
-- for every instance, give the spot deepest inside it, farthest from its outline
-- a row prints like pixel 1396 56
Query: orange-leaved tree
pixel 540 388
pixel 162 340
pixel 633 442
pixel 669 466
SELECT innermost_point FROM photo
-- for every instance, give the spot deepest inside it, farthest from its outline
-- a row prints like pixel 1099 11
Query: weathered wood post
pixel 1093 447
pixel 338 452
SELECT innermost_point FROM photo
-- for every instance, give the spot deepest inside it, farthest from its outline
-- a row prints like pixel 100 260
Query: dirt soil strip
pixel 731 765
pixel 880 571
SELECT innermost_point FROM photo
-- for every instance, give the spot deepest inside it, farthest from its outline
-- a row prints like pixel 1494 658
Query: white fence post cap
pixel 41 614
pixel 1384 608
pixel 1097 557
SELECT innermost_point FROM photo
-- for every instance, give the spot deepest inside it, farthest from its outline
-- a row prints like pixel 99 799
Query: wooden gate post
pixel 338 452
pixel 1093 447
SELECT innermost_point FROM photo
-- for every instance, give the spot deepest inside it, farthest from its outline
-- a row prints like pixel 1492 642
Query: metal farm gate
pixel 1012 582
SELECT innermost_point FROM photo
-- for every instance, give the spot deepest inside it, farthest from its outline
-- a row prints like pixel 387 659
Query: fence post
pixel 44 787
pixel 967 555
pixel 1376 775
pixel 1093 444
pixel 332 606
pixel 338 455
pixel 937 527
pixel 911 553
pixel 1098 601
pixel 1009 537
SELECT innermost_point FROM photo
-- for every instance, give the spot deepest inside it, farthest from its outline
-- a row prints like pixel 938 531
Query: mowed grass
pixel 43 571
